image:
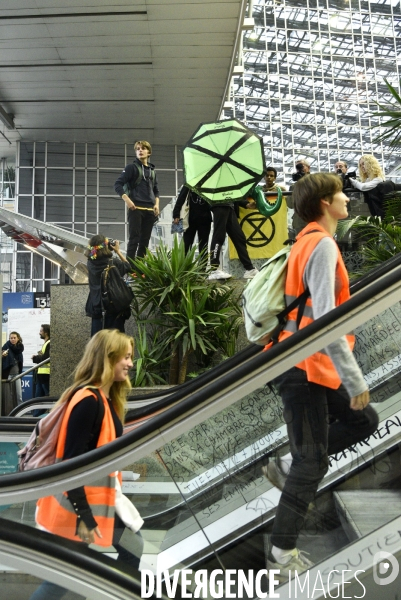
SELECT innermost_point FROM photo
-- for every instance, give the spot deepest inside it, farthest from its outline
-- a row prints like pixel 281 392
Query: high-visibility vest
pixel 45 369
pixel 319 367
pixel 56 513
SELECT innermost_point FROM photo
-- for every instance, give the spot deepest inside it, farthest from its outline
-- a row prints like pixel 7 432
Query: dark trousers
pixel 203 231
pixel 42 388
pixel 110 322
pixel 140 223
pixel 320 422
pixel 225 222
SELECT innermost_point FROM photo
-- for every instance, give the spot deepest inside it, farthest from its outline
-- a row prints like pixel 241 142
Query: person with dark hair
pixel 100 255
pixel 342 166
pixel 302 168
pixel 137 186
pixel 12 360
pixel 96 513
pixel 325 397
pixel 199 218
pixel 43 372
pixel 270 181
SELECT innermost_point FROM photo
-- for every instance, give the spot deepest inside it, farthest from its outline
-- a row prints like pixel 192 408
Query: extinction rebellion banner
pixel 264 235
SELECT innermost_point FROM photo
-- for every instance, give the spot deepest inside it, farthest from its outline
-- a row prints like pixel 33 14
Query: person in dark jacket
pixel 100 251
pixel 142 200
pixel 12 360
pixel 199 218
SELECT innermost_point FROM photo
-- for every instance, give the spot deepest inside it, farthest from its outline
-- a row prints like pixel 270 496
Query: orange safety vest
pixel 56 513
pixel 319 367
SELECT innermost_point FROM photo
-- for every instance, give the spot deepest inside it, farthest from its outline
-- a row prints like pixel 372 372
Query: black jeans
pixel 140 224
pixel 203 231
pixel 225 222
pixel 320 422
pixel 110 322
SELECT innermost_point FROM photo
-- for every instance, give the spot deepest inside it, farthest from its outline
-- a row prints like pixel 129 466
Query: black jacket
pixel 14 357
pixel 375 198
pixel 144 193
pixel 96 267
pixel 199 209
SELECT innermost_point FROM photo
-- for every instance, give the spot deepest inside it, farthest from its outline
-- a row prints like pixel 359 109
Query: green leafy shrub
pixel 189 313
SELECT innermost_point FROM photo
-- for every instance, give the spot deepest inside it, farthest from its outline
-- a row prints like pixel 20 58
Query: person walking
pixel 13 360
pixel 137 186
pixel 97 513
pixel 325 397
pixel 100 253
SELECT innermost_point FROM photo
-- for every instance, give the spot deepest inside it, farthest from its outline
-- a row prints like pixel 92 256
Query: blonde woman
pixel 371 175
pixel 96 513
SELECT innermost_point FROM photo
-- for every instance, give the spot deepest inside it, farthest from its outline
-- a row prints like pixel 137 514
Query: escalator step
pixel 363 511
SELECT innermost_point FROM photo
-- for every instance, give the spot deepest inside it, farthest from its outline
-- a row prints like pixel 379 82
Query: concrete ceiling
pixel 113 70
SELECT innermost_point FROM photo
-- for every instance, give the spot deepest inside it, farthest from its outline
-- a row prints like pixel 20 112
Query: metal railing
pixel 8 397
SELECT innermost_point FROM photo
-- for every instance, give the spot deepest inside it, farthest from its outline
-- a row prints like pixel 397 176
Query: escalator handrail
pixel 179 392
pixel 73 554
pixel 150 429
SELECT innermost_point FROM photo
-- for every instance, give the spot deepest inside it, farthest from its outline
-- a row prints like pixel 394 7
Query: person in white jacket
pixel 371 174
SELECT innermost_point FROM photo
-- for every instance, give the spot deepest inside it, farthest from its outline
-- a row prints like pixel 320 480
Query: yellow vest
pixel 45 370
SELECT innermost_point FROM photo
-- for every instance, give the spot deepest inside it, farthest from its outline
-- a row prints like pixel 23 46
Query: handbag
pixel 177 227
pixel 126 510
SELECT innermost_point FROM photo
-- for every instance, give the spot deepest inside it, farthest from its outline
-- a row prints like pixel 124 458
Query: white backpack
pixel 263 300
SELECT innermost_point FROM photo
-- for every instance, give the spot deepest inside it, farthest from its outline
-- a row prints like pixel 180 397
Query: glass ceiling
pixel 313 72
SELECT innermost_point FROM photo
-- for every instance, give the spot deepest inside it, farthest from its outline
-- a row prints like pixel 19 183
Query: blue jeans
pixel 49 591
pixel 319 422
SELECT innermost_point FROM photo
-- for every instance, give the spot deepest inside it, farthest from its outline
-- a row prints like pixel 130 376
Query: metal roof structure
pixel 113 71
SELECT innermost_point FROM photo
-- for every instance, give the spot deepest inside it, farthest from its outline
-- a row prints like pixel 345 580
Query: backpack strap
pixel 299 301
pixel 133 183
pixel 103 280
pixel 100 412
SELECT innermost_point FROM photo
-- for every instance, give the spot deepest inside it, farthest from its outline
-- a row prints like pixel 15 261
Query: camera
pixel 299 172
pixel 346 179
pixel 112 242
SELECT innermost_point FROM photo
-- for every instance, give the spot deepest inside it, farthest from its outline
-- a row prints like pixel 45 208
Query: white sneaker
pixel 250 274
pixel 297 562
pixel 218 274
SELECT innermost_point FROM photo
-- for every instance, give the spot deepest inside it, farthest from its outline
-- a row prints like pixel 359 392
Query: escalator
pixel 200 484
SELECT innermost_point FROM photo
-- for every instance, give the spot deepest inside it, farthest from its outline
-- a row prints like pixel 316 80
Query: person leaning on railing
pixel 12 360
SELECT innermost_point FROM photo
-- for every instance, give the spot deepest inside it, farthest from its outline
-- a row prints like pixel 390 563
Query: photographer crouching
pixel 100 253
